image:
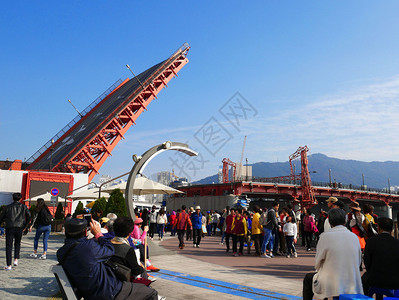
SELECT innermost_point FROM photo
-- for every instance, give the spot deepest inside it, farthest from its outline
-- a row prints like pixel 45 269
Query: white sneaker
pixel 152 278
pixel 33 255
pixel 266 256
pixel 7 268
pixel 288 256
pixel 295 255
pixel 15 262
pixel 161 297
pixel 43 257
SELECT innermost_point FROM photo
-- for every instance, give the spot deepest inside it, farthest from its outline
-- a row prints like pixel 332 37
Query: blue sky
pixel 324 74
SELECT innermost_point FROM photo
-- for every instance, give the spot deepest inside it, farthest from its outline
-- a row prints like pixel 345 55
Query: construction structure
pixel 308 199
pixel 83 145
pixel 295 188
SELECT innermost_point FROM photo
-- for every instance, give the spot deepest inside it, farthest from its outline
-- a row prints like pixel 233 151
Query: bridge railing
pixel 74 121
pixel 334 185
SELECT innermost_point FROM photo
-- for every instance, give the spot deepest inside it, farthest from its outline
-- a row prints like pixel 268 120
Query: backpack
pixel 47 216
pixel 263 219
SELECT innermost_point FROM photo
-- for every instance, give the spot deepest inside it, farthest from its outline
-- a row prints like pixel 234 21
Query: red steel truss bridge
pixel 87 141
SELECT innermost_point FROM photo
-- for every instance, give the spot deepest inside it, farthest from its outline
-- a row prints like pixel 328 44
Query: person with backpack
pixel 369 224
pixel 42 222
pixel 355 223
pixel 17 216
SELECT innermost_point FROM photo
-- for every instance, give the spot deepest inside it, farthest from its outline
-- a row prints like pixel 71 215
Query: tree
pixel 59 213
pixel 79 209
pixel 32 209
pixel 116 204
pixel 99 206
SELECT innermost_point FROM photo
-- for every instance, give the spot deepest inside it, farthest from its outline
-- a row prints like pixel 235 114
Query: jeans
pixel 45 229
pixel 308 238
pixel 1 231
pixel 275 240
pixel 268 238
pixel 11 234
pixel 223 235
pixel 290 245
pixel 173 231
pixel 214 226
pixel 160 229
pixel 197 234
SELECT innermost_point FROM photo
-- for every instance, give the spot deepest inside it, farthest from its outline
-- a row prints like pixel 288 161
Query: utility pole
pixel 75 108
pixel 389 186
pixel 363 181
pixel 246 169
pixel 51 154
pixel 329 176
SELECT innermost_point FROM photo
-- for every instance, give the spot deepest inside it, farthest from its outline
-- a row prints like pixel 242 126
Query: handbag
pixel 362 231
pixel 372 230
pixel 314 228
pixel 121 272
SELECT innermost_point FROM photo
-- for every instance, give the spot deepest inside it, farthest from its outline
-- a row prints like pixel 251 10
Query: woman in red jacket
pixel 172 222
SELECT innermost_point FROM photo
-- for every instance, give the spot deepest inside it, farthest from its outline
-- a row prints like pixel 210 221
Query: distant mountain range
pixel 376 173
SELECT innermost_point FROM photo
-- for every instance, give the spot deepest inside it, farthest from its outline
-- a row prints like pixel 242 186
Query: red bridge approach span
pixel 292 192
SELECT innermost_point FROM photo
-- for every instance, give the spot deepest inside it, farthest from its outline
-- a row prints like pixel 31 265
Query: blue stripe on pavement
pixel 222 286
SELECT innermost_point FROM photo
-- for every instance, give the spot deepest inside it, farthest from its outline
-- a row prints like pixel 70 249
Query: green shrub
pixel 79 209
pixel 59 213
pixel 116 204
pixel 99 206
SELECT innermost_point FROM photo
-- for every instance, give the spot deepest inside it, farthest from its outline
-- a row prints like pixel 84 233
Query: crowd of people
pixel 109 259
pixel 344 241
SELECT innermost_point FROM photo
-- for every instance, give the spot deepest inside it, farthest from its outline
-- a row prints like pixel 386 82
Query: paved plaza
pixel 193 273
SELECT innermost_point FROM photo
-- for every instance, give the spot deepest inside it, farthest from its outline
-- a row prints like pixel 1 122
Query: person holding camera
pixel 84 261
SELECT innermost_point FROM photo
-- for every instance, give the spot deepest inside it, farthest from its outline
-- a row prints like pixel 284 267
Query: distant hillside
pixel 376 174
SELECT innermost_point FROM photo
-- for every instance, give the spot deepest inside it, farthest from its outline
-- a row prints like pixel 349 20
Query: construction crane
pixel 242 156
pixel 308 197
pixel 225 171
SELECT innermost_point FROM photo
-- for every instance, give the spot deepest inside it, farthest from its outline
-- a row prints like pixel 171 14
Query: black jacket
pixel 43 217
pixel 381 258
pixel 15 214
pixel 272 221
pixel 126 256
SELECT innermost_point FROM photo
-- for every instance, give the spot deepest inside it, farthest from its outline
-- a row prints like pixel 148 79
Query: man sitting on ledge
pixel 381 258
pixel 338 259
pixel 84 262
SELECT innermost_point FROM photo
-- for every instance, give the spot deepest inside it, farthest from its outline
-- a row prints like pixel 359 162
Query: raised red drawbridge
pixel 87 141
